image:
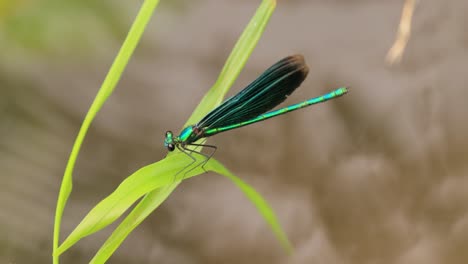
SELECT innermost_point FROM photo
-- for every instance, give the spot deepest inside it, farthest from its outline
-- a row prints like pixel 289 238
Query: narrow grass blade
pixel 106 89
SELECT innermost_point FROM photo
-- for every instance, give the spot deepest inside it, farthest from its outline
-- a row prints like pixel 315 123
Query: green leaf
pixel 106 89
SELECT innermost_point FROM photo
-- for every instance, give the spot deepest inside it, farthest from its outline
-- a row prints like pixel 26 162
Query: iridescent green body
pixel 338 92
pixel 252 104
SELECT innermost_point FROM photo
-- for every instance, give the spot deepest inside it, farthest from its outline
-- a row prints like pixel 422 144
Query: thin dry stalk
pixel 395 54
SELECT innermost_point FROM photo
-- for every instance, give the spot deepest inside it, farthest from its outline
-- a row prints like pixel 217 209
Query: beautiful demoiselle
pixel 250 106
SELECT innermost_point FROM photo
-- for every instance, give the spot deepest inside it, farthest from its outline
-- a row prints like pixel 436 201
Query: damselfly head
pixel 169 141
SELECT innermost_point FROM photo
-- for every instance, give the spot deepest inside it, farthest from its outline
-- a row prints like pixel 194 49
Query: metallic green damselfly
pixel 250 106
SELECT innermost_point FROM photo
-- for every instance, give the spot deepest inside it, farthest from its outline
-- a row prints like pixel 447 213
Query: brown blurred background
pixel 377 176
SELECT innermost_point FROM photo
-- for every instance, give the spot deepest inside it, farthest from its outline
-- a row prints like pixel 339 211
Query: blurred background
pixel 377 176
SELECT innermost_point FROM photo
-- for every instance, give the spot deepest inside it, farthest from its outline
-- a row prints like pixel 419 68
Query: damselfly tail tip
pixel 342 90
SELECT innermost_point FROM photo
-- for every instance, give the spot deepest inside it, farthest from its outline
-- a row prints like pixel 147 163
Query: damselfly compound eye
pixel 170 147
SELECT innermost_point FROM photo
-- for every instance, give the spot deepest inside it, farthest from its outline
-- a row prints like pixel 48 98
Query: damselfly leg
pixel 189 152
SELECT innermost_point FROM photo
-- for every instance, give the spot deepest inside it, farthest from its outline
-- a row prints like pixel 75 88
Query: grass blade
pixel 106 89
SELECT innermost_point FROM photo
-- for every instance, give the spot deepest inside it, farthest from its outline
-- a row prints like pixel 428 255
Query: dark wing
pixel 270 89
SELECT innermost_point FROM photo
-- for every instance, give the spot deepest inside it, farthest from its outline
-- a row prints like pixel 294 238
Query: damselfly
pixel 249 106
